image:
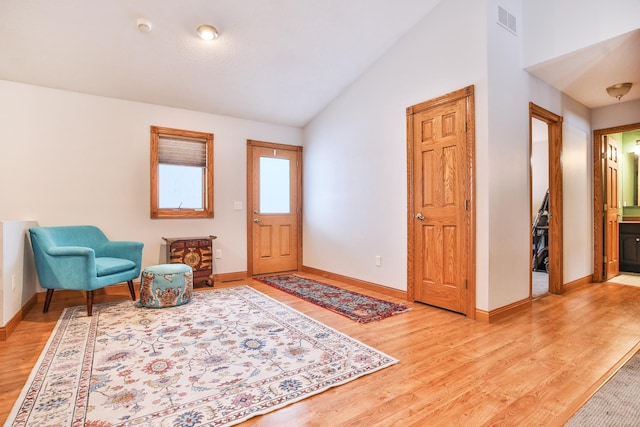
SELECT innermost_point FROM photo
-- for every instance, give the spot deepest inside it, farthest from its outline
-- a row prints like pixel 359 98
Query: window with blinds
pixel 181 173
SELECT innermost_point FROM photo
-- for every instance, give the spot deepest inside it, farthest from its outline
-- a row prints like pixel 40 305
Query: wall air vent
pixel 507 20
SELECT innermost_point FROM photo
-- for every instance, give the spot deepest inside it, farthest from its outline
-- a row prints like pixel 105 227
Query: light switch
pixel 237 206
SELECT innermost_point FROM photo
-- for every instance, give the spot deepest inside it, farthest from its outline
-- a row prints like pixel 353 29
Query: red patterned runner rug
pixel 228 355
pixel 355 306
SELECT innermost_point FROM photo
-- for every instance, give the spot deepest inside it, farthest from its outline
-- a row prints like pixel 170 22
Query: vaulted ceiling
pixel 585 74
pixel 277 61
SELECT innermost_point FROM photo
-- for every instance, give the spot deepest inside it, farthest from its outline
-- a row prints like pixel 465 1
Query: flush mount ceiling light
pixel 207 32
pixel 619 90
pixel 143 25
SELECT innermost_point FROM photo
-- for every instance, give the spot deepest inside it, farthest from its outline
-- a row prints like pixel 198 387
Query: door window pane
pixel 274 186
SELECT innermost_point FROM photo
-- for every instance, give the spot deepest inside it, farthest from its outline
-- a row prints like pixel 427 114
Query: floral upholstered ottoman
pixel 166 285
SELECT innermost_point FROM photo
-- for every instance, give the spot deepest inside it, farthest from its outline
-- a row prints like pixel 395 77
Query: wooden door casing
pixel 441 246
pixel 274 240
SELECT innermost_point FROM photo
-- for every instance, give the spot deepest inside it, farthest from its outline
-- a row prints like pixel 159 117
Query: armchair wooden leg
pixel 132 290
pixel 47 300
pixel 89 302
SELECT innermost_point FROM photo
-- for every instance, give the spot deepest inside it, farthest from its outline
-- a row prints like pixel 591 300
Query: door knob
pixel 257 221
pixel 420 216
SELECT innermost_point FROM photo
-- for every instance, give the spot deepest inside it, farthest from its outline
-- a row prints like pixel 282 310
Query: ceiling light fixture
pixel 143 25
pixel 619 90
pixel 207 32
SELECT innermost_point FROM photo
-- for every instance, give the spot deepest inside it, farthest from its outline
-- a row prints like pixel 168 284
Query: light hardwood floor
pixel 631 279
pixel 533 368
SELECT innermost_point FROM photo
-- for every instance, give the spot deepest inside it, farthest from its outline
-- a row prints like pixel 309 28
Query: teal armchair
pixel 82 258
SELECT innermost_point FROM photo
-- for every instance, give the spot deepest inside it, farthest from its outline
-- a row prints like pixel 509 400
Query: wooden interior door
pixel 612 237
pixel 440 202
pixel 274 220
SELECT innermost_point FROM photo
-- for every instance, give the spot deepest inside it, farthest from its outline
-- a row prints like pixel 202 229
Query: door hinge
pixel 605 259
pixel 466 205
pixel 465 127
pixel 297 164
pixel 466 283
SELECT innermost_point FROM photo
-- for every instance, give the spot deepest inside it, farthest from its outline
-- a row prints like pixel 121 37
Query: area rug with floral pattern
pixel 355 306
pixel 226 356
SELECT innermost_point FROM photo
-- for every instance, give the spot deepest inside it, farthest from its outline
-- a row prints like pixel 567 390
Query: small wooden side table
pixel 196 252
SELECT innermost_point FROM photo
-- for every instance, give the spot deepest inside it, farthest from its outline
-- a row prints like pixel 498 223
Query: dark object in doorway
pixel 540 231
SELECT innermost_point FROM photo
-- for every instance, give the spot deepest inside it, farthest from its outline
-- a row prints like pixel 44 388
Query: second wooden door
pixel 441 167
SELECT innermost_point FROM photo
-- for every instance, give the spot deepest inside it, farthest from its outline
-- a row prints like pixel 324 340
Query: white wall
pixel 508 164
pixel 510 90
pixel 620 114
pixel 355 189
pixel 557 27
pixel 18 279
pixel 577 190
pixel 68 158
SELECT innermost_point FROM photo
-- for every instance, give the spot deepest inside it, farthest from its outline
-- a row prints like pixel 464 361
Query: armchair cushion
pixel 106 266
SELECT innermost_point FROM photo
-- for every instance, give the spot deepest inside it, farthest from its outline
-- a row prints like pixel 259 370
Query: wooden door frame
pixel 250 145
pixel 468 94
pixel 598 196
pixel 556 217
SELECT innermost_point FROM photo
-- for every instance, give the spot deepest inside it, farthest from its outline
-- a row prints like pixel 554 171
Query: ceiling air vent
pixel 507 20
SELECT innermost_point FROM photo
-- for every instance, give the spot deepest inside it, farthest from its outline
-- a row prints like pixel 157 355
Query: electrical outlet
pixel 378 261
pixel 218 253
pixel 13 282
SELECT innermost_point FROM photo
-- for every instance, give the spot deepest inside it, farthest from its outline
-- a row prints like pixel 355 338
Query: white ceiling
pixel 585 74
pixel 277 61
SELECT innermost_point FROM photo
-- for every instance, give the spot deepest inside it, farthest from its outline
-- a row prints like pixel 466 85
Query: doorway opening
pixel 539 208
pixel 545 149
pixel 616 203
